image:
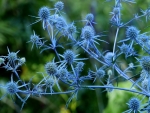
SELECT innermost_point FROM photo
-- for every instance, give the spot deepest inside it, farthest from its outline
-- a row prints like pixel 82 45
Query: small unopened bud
pixel 109 72
pixel 131 65
pixel 110 89
pixel 1 61
pixel 22 60
pixel 116 10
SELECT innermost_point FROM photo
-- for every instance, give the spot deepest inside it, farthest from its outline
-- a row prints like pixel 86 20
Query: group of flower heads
pixel 67 67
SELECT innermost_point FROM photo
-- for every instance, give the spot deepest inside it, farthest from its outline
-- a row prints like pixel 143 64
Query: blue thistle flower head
pixel 36 40
pixel 124 48
pixel 144 84
pixel 116 10
pixel 12 56
pixel 71 29
pixel 143 38
pixel 116 22
pixel 53 20
pixel 100 73
pixel 79 66
pixel 49 82
pixel 51 68
pixel 108 58
pixel 44 13
pixel 69 56
pixel 87 32
pixel 11 88
pixel 37 90
pixel 60 23
pixel 89 17
pixel 127 50
pixel 59 5
pixel 132 32
pixel 63 73
pixel 134 104
pixel 145 63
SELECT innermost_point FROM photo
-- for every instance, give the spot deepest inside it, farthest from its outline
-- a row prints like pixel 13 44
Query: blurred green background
pixel 15 32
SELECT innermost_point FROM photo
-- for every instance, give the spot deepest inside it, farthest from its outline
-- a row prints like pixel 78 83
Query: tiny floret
pixel 59 5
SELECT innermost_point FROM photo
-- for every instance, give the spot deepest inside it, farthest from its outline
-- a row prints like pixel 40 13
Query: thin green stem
pixel 115 40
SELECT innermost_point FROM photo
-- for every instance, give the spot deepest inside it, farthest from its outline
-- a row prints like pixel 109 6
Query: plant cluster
pixel 67 67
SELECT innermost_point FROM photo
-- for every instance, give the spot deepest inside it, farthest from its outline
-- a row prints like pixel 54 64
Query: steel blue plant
pixel 67 66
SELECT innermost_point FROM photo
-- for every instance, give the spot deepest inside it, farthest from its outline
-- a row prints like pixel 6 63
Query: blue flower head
pixel 44 13
pixel 63 73
pixel 69 56
pixel 59 5
pixel 51 68
pixel 71 29
pixel 132 32
pixel 60 23
pixel 87 33
pixel 144 84
pixel 89 17
pixel 134 104
pixel 145 63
